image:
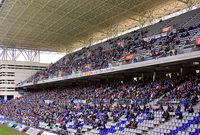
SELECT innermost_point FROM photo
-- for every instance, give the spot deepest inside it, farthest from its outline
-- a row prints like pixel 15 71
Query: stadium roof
pixel 65 25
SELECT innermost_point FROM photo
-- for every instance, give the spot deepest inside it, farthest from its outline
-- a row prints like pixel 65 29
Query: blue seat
pixel 197 130
pixel 112 127
pixel 123 122
pixel 198 118
pixel 118 124
pixel 180 128
pixel 186 125
pixel 191 133
pixel 129 119
pixel 102 132
pixel 121 128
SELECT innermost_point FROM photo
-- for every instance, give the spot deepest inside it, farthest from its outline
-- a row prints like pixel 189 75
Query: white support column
pixel 5 97
pixel 181 71
pixel 142 76
pixel 154 75
pixel 22 54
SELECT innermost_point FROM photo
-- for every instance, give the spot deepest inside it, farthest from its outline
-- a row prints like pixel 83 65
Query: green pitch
pixel 5 130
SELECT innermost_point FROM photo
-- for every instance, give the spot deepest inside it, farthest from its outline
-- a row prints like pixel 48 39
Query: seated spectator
pixel 185 103
pixel 161 108
pixel 79 131
pixel 132 115
pixel 132 124
pixel 199 112
pixel 103 126
pixel 150 116
pixel 115 118
pixel 190 110
pixel 180 115
pixel 194 99
pixel 170 108
pixel 166 115
pixel 178 109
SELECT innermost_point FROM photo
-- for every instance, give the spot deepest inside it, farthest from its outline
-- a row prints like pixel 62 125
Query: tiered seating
pixel 185 20
pixel 110 107
pixel 47 133
pixel 33 131
pixel 121 129
pixel 21 127
pixel 2 119
pixel 114 51
pixel 101 108
pixel 193 21
pixel 187 125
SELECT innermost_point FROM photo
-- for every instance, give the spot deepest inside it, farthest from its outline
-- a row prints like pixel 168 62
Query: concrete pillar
pixel 5 97
pixel 181 71
pixel 154 75
pixel 142 77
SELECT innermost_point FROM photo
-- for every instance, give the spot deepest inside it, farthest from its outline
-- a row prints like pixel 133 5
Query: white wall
pixel 13 72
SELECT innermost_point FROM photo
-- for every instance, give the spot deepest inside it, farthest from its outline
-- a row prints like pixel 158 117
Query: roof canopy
pixel 65 25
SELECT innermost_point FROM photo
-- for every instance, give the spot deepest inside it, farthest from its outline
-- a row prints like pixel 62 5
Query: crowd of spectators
pixel 94 104
pixel 122 50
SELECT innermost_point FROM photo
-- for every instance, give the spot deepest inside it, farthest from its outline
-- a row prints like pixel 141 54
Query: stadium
pixel 99 67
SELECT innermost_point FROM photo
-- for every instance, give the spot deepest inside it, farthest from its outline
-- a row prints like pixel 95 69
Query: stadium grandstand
pixel 130 67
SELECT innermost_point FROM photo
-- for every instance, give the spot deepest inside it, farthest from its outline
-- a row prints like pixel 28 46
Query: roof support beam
pixel 112 17
pixel 14 54
pixel 189 2
pixel 183 1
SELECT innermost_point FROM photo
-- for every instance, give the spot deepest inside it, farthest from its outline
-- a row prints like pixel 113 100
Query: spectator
pixel 96 104
pixel 178 110
pixel 166 115
pixel 132 124
pixel 180 115
pixel 150 116
pixel 190 110
pixel 170 108
pixel 185 103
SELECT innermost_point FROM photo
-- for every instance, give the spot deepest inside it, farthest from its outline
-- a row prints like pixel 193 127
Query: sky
pixel 50 57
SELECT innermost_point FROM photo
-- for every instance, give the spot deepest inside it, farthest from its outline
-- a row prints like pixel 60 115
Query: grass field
pixel 5 130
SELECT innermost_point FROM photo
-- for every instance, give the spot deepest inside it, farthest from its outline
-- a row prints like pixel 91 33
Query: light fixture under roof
pixel 1 2
pixel 195 63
